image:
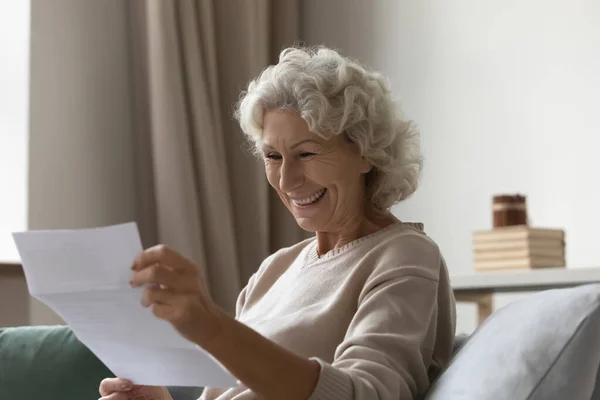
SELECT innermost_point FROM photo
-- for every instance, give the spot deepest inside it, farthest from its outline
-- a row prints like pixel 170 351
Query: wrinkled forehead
pixel 285 128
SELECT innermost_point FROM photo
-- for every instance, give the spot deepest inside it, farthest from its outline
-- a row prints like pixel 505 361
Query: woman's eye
pixel 306 155
pixel 273 156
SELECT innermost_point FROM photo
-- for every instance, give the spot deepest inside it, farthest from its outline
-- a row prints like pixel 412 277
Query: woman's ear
pixel 365 166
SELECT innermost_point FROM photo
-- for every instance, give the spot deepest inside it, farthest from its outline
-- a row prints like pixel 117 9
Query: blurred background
pixel 114 111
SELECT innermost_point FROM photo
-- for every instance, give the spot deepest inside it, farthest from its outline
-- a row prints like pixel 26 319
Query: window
pixel 14 78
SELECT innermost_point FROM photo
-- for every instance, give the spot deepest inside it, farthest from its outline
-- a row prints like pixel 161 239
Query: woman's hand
pixel 176 293
pixel 122 389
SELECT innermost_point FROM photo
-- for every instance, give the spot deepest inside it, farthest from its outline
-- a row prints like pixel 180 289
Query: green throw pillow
pixel 47 362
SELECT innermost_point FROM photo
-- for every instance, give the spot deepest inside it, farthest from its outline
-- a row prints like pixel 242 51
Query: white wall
pixel 14 78
pixel 81 148
pixel 506 95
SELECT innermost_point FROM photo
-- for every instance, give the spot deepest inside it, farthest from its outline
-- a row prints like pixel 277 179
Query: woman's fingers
pixel 175 290
pixel 165 304
pixel 158 274
pixel 112 385
pixel 122 389
pixel 115 396
pixel 155 295
pixel 166 312
pixel 162 254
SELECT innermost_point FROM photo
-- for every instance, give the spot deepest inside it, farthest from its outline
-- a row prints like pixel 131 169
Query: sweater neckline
pixel 312 255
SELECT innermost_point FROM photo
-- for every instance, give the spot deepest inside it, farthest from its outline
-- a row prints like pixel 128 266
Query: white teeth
pixel 311 199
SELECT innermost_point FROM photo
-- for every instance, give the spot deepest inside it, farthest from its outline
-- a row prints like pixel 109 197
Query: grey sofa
pixel 546 347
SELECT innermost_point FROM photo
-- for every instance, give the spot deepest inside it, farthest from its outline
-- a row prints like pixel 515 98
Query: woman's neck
pixel 352 230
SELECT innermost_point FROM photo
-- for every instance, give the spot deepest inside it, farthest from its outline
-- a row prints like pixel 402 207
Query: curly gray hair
pixel 336 95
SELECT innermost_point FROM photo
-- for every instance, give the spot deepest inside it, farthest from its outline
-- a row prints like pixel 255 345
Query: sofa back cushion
pixel 47 362
pixel 544 347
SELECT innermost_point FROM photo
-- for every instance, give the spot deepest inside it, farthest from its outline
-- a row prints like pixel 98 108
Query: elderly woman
pixel 364 309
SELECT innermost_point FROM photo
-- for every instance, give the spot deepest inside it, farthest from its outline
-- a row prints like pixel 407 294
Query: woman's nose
pixel 291 176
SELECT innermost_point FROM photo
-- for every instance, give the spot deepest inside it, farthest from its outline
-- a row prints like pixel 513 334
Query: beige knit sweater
pixel 378 314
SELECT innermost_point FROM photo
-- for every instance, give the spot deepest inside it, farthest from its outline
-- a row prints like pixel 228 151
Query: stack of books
pixel 518 247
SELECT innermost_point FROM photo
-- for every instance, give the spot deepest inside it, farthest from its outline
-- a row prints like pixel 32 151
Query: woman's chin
pixel 310 217
pixel 308 224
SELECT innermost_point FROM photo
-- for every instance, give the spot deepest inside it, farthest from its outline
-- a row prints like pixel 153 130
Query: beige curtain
pixel 200 191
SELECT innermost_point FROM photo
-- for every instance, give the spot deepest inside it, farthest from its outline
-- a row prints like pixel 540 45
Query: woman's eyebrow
pixel 304 141
pixel 267 146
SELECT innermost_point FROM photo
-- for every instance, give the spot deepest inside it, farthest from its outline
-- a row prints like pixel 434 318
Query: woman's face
pixel 320 181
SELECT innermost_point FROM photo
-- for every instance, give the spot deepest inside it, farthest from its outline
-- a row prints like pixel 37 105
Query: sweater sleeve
pixel 389 344
pixel 247 290
pixel 241 299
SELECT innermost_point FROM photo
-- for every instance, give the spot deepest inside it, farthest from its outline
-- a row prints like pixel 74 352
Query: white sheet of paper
pixel 83 275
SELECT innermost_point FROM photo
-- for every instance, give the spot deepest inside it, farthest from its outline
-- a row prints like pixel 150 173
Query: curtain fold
pixel 199 189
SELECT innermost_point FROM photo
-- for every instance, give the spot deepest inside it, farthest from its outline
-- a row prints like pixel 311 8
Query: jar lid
pixel 506 198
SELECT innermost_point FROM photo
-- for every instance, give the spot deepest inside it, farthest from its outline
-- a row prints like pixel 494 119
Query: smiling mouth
pixel 310 200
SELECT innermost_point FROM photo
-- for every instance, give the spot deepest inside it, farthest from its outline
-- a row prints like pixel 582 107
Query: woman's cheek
pixel 272 173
